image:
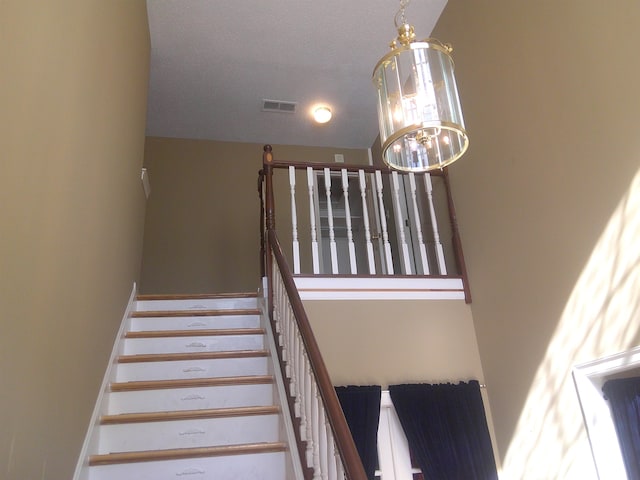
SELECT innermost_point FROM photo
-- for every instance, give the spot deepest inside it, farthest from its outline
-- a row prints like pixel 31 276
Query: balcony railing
pixel 351 221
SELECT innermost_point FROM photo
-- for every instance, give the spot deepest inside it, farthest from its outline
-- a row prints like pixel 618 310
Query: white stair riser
pixel 189 398
pixel 201 432
pixel 222 367
pixel 260 466
pixel 214 343
pixel 196 304
pixel 195 322
pixel 188 433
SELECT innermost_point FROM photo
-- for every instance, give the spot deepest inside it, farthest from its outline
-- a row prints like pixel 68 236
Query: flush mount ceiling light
pixel 421 124
pixel 322 114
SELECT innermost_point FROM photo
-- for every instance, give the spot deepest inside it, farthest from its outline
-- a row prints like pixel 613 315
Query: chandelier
pixel 421 124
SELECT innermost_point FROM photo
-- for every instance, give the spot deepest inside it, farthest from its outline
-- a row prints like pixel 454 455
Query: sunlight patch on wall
pixel 601 318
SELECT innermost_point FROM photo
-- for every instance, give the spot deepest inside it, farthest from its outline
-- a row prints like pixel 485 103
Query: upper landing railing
pixel 364 221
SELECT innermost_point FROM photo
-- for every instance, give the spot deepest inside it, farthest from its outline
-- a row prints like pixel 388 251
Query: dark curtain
pixel 624 400
pixel 446 429
pixel 361 407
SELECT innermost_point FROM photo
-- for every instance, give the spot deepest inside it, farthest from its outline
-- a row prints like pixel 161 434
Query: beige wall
pixel 385 342
pixel 202 225
pixel 73 93
pixel 547 201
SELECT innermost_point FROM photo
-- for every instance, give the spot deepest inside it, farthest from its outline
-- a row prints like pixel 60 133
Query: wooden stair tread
pixel 180 453
pixel 189 414
pixel 194 296
pixel 217 312
pixel 194 333
pixel 168 357
pixel 190 383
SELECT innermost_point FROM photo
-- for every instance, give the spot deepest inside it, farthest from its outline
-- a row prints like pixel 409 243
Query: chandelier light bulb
pixel 397 114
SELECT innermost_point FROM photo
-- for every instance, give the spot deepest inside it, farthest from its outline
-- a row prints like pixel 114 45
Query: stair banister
pixel 342 435
pixel 349 459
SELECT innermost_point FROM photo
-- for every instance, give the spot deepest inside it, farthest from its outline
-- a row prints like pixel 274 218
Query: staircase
pixel 194 394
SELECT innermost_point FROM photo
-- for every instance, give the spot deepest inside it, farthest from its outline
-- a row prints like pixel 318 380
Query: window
pixel 589 378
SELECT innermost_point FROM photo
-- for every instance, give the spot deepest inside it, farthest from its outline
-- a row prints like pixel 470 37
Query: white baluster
pixel 442 268
pixel 312 221
pixel 284 325
pixel 294 220
pixel 332 237
pixel 340 466
pixel 315 429
pixel 308 391
pixel 418 224
pixel 365 216
pixel 347 213
pixel 302 384
pixel 277 313
pixel 332 455
pixel 293 349
pixel 284 313
pixel 282 319
pixel 324 440
pixel 395 190
pixel 383 222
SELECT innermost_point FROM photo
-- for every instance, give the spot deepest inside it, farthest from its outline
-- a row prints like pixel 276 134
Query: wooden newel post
pixel 267 165
pixel 262 232
pixel 270 219
pixel 457 244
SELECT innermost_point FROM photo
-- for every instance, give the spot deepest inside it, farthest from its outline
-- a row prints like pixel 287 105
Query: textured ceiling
pixel 214 61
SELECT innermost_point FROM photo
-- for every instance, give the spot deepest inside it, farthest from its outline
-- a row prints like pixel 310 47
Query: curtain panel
pixel 446 428
pixel 623 395
pixel 361 407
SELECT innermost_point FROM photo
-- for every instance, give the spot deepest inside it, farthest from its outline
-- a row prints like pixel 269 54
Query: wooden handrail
pixel 342 435
pixel 342 166
pixel 457 243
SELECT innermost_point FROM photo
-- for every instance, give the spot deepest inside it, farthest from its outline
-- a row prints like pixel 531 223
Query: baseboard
pixel 90 441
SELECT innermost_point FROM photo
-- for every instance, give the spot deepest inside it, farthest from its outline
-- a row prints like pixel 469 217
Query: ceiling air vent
pixel 278 106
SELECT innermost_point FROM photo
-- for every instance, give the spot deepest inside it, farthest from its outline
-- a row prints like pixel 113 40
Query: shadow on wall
pixel 600 318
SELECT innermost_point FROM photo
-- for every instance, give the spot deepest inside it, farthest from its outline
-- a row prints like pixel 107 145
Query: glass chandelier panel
pixel 421 124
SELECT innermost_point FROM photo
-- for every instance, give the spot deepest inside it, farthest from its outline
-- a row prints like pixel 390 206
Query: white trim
pixel 393 448
pixel 91 439
pixel 358 288
pixel 589 378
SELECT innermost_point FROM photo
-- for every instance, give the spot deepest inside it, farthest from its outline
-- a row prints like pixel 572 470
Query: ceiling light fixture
pixel 421 124
pixel 322 114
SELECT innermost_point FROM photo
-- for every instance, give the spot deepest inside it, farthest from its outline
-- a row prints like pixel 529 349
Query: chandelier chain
pixel 401 13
